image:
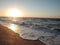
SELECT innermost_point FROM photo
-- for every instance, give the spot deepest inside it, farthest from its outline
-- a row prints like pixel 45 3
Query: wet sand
pixel 9 37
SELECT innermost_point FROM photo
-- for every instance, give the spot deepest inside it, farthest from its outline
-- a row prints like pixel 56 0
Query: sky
pixel 32 8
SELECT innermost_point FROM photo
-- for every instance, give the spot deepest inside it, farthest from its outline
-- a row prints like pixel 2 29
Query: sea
pixel 46 30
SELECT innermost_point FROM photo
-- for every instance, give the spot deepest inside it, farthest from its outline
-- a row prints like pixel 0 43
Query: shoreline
pixel 9 37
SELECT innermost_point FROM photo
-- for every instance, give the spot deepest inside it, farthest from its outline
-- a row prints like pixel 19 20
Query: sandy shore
pixel 8 37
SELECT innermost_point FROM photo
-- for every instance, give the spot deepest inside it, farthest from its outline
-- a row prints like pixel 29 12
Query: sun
pixel 14 13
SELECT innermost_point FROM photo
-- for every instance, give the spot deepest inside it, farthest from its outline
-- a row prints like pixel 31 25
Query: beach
pixel 9 37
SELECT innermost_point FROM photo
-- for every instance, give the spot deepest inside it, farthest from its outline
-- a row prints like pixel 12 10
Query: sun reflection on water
pixel 13 27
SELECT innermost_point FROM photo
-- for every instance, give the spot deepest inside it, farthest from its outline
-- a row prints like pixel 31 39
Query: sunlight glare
pixel 14 13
